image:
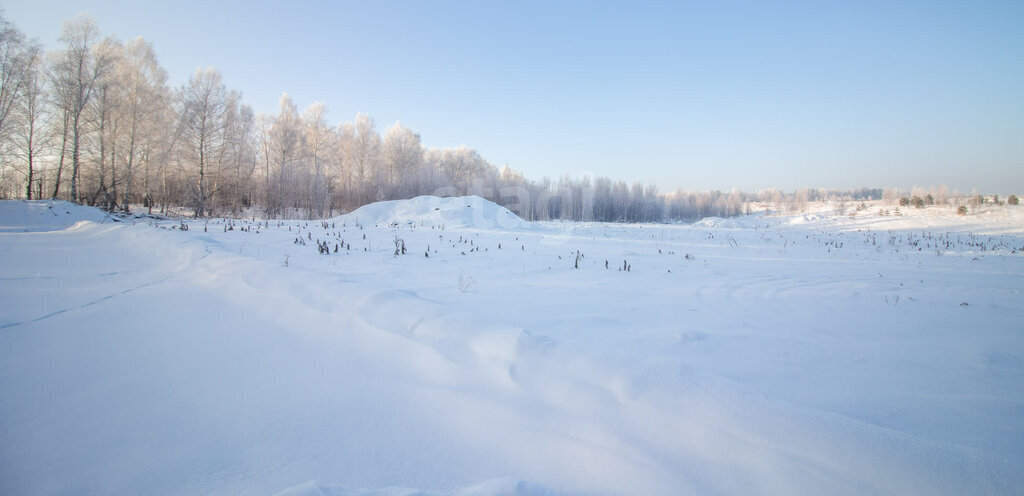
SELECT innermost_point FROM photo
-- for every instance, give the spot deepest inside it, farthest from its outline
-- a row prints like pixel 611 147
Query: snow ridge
pixel 45 215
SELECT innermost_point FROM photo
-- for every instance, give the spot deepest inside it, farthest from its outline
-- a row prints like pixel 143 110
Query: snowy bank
pixel 46 215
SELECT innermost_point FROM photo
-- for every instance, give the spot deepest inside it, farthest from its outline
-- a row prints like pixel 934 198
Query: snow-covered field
pixel 801 354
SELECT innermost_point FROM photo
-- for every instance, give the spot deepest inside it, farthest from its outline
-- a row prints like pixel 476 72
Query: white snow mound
pixel 461 211
pixel 721 223
pixel 46 215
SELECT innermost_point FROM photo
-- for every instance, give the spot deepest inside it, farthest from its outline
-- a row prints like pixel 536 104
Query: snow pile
pixel 723 223
pixel 46 215
pixel 807 218
pixel 463 211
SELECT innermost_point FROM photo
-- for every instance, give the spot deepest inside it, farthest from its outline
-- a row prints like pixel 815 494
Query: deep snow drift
pixel 37 216
pixel 802 354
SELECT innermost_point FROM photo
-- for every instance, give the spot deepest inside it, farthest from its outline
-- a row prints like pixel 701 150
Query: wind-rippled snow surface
pixel 803 354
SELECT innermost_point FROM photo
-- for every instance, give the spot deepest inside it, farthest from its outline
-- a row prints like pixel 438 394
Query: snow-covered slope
pixel 465 211
pixel 766 356
pixel 880 216
pixel 29 216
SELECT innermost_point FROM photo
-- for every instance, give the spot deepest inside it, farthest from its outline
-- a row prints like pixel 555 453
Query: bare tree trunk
pixel 145 183
pixel 200 184
pixel 63 153
pixel 28 186
pixel 128 173
pixel 29 156
pixel 31 159
pixel 163 191
pixel 112 197
pixel 103 162
pixel 74 161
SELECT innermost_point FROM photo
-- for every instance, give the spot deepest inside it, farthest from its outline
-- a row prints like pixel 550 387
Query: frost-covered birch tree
pixel 403 157
pixel 318 143
pixel 205 107
pixel 144 102
pixel 74 77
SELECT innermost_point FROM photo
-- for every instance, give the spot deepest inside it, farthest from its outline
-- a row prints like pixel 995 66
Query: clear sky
pixel 699 95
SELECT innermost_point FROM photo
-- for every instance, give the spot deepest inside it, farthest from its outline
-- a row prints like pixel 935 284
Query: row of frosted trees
pixel 96 122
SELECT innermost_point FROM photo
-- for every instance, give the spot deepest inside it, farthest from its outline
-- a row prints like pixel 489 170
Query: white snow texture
pixel 816 353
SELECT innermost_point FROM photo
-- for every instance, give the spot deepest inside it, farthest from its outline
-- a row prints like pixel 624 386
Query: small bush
pixel 961 210
pixel 929 199
pixel 904 201
pixel 465 283
pixel 1012 200
pixel 917 202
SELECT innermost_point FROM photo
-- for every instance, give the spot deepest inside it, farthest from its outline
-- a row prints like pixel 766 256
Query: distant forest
pixel 96 122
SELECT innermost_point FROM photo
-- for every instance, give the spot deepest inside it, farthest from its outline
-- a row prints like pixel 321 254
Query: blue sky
pixel 709 95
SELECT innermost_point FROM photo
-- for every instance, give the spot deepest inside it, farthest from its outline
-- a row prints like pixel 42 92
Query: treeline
pixel 96 122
